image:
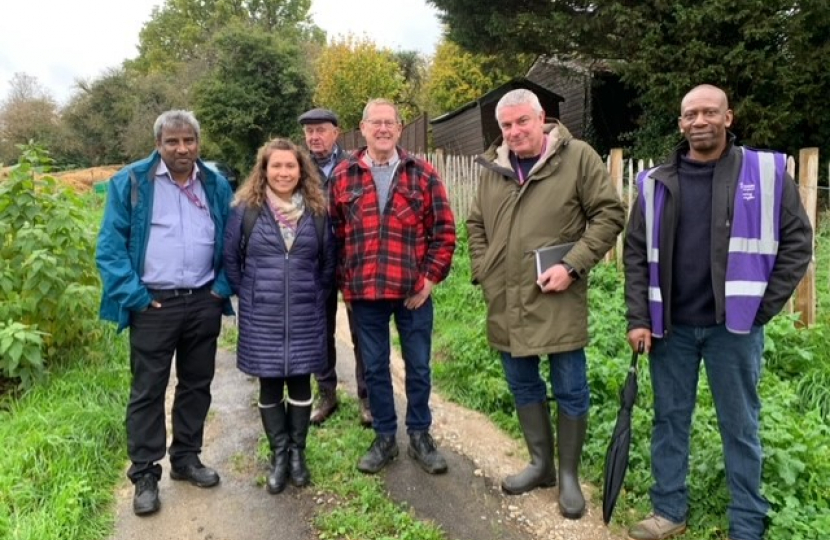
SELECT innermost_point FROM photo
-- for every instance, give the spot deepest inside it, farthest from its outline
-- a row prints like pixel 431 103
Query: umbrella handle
pixel 635 355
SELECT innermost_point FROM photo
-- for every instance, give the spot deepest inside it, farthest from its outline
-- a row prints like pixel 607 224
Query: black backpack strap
pixel 248 221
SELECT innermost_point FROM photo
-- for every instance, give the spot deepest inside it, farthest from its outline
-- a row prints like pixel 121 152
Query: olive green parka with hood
pixel 567 197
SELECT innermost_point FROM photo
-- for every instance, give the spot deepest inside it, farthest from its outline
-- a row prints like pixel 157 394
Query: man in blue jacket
pixel 160 257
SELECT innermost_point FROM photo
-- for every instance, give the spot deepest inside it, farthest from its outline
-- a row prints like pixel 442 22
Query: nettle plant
pixel 49 288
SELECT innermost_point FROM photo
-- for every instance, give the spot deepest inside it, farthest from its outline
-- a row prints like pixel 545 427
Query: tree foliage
pixel 350 71
pixel 456 76
pixel 181 31
pixel 769 55
pixel 256 89
pixel 27 114
pixel 110 119
pixel 220 58
pixel 413 70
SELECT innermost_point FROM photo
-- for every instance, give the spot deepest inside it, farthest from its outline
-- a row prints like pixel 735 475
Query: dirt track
pixel 466 502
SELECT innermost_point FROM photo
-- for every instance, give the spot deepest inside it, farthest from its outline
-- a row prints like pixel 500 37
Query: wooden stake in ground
pixel 808 188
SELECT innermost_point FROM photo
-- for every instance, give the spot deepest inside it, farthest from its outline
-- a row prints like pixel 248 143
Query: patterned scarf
pixel 287 215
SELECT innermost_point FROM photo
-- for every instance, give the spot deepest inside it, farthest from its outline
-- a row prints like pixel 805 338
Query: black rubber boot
pixel 275 423
pixel 571 432
pixel 535 422
pixel 299 417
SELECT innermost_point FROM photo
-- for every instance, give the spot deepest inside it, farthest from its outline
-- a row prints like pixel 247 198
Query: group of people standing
pixel 716 243
pixel 176 244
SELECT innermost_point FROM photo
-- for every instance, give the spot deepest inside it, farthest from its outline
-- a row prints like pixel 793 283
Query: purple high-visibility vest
pixel 753 239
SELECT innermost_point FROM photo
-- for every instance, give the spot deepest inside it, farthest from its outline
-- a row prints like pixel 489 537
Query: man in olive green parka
pixel 540 187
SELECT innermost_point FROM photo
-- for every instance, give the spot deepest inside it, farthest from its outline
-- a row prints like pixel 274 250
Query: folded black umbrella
pixel 616 457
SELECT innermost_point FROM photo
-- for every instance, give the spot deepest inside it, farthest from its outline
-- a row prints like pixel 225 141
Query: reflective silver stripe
pixel 766 163
pixel 652 252
pixel 766 245
pixel 746 288
pixel 654 294
pixel 753 245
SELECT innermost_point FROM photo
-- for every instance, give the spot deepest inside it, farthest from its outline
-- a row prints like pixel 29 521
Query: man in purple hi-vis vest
pixel 715 245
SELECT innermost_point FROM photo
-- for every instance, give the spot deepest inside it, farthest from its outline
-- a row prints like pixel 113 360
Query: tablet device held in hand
pixel 550 255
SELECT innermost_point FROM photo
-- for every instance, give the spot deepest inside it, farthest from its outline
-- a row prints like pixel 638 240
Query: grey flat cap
pixel 318 116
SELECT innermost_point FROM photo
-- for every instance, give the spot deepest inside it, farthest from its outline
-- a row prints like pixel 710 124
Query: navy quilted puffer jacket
pixel 282 315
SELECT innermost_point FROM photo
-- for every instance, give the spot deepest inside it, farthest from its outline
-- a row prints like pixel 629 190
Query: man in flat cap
pixel 320 127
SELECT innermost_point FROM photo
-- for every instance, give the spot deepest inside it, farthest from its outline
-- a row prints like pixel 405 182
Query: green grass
pixel 63 444
pixel 360 507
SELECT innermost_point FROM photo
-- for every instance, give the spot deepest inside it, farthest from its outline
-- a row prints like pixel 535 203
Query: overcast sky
pixel 59 41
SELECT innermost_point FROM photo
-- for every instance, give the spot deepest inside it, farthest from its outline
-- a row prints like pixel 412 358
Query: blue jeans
pixel 568 377
pixel 733 368
pixel 415 330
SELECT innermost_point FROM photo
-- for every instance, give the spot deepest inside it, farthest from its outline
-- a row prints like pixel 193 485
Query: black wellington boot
pixel 535 422
pixel 299 417
pixel 275 423
pixel 571 432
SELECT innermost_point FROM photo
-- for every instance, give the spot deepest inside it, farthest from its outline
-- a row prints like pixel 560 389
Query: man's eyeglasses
pixel 384 123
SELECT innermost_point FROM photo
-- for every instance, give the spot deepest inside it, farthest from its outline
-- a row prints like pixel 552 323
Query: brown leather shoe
pixel 365 413
pixel 326 405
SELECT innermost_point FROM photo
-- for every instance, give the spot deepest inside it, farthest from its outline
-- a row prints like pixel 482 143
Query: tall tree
pixel 350 71
pixel 180 30
pixel 256 88
pixel 764 53
pixel 28 113
pixel 413 69
pixel 456 77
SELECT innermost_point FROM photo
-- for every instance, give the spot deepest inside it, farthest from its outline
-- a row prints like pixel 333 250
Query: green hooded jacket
pixel 567 197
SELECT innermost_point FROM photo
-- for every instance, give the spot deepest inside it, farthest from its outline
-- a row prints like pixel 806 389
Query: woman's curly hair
pixel 252 191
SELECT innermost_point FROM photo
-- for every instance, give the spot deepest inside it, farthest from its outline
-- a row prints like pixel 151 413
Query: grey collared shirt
pixel 181 244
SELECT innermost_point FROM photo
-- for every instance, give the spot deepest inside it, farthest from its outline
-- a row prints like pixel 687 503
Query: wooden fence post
pixel 615 170
pixel 808 189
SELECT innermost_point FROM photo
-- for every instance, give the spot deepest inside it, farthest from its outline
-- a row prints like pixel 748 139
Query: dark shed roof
pixel 471 128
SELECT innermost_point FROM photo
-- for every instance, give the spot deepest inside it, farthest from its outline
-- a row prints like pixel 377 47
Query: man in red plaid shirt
pixel 396 236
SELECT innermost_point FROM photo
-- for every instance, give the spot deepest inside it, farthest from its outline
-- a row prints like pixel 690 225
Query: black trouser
pixel 327 379
pixel 188 326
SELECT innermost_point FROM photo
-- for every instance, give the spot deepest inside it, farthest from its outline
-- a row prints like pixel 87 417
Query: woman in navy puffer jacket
pixel 282 279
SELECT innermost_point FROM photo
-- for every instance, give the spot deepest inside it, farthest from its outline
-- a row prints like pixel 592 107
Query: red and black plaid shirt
pixel 387 256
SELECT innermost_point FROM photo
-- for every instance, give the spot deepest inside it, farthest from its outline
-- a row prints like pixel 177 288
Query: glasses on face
pixel 382 123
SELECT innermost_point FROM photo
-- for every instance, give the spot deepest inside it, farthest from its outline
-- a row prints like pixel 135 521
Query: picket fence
pixel 460 175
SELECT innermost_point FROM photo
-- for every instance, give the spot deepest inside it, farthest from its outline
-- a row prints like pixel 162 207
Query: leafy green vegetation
pixel 48 282
pixel 795 420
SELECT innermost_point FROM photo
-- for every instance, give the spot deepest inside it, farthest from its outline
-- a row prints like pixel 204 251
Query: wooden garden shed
pixel 470 129
pixel 598 107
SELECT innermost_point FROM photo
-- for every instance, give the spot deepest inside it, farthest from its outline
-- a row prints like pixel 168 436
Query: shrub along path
pixel 465 503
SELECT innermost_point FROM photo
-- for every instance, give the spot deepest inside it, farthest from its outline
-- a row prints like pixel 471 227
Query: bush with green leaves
pixel 49 288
